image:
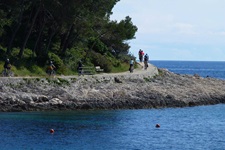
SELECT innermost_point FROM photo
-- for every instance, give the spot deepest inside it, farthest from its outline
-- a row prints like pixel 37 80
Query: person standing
pixel 141 54
pixel 146 59
pixel 131 69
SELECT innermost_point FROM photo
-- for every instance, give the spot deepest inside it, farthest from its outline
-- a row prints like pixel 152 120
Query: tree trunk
pixel 50 41
pixel 66 40
pixel 28 34
pixel 39 35
pixel 9 47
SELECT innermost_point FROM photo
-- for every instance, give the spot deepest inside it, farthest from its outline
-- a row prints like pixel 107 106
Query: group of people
pixel 142 56
pixel 7 68
pixel 146 58
pixel 50 69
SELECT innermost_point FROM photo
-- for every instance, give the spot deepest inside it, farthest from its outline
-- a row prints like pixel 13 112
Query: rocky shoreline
pixel 122 91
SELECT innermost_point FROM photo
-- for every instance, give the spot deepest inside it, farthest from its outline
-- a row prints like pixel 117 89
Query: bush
pixel 37 70
pixel 97 45
pixel 102 61
pixel 126 58
pixel 27 53
pixel 72 57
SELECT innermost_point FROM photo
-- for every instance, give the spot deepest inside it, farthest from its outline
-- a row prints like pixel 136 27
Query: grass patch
pixel 58 81
pixel 122 68
pixel 28 68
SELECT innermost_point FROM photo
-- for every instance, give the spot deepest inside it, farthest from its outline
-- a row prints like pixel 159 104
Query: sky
pixel 176 29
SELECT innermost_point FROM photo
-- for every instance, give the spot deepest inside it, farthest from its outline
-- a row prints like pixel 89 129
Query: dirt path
pixel 151 71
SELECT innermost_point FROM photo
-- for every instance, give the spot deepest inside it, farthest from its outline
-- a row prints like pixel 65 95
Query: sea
pixel 190 128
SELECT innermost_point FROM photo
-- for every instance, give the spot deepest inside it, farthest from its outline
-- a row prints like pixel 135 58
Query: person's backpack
pixel 146 58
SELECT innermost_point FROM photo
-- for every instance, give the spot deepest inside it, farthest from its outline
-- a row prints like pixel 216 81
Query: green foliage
pixel 28 53
pixel 58 81
pixel 15 52
pixel 34 32
pixel 128 28
pixel 121 68
pixel 37 70
pixel 73 56
pixel 97 45
pixel 22 71
pixel 102 61
pixel 126 58
pixel 1 66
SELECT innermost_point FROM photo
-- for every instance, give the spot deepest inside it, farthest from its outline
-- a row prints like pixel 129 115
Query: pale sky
pixel 176 29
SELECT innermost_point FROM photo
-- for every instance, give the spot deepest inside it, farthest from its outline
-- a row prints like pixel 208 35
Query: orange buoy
pixel 52 131
pixel 157 125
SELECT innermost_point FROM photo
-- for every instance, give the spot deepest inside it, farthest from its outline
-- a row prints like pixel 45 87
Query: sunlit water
pixel 194 128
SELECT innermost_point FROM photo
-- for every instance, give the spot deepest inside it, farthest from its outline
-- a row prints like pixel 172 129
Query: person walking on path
pixel 131 69
pixel 141 54
pixel 146 59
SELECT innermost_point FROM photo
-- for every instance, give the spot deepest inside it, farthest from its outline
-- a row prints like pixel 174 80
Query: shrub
pixel 97 45
pixel 102 61
pixel 72 57
pixel 27 53
pixel 37 70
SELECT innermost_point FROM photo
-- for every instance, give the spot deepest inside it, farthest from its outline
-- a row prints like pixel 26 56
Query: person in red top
pixel 141 54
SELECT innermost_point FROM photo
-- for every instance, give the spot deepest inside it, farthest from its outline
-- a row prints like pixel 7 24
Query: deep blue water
pixel 192 128
pixel 214 69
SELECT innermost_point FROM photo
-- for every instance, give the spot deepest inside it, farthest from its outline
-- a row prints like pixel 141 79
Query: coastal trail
pixel 150 71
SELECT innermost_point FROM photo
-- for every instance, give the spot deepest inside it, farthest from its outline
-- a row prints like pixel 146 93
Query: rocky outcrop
pixel 118 91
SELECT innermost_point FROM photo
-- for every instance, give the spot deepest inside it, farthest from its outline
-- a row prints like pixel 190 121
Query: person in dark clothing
pixel 146 59
pixel 141 54
pixel 51 68
pixel 7 65
pixel 7 69
pixel 79 68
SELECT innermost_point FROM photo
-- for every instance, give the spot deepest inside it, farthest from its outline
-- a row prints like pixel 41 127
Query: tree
pixel 17 26
pixel 60 27
pixel 37 10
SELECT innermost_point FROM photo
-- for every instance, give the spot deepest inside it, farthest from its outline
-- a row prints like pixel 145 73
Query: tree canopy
pixel 63 30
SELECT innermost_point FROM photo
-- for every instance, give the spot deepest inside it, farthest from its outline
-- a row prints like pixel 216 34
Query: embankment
pixel 117 91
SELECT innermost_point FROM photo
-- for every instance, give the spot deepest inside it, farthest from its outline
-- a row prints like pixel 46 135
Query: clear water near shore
pixel 181 128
